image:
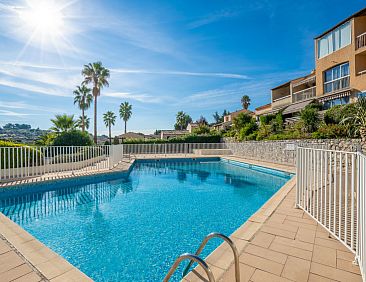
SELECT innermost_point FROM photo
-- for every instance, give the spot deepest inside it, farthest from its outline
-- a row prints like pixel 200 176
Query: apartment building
pixel 340 71
pixel 341 61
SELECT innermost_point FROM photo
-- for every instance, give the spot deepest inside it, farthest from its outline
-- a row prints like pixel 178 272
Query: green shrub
pixel 330 131
pixel 241 120
pixel 310 118
pixel 190 138
pixel 248 129
pixel 201 129
pixel 73 138
pixel 265 120
pixel 18 155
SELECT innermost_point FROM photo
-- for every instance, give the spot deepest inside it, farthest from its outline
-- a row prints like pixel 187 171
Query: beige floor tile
pixel 15 273
pixel 30 277
pixel 333 273
pixel 296 269
pixel 54 267
pixel 305 235
pixel 262 239
pixel 278 232
pixel 331 243
pixel 282 226
pixel 345 255
pixel 9 260
pixel 4 247
pixel 262 276
pixel 294 243
pixel 324 255
pixel 348 266
pixel 288 250
pixel 261 263
pixel 316 278
pixel 246 273
pixel 247 231
pixel 266 253
pixel 73 275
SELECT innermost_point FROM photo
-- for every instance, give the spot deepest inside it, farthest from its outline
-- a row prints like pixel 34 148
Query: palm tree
pixel 245 101
pixel 357 120
pixel 97 75
pixel 125 113
pixel 63 123
pixel 181 120
pixel 83 99
pixel 109 120
pixel 79 122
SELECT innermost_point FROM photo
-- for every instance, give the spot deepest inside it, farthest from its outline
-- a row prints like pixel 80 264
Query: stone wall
pixel 284 152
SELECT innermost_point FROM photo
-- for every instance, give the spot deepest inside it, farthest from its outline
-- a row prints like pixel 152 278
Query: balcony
pixel 280 102
pixel 361 41
pixel 304 94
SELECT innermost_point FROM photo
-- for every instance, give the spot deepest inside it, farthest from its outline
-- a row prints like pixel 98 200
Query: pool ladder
pixel 195 258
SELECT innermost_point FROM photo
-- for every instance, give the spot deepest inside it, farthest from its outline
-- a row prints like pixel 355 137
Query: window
pixel 335 102
pixel 336 78
pixel 334 40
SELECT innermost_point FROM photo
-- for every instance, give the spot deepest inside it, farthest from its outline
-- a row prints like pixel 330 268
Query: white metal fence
pixel 27 161
pixel 331 189
pixel 31 161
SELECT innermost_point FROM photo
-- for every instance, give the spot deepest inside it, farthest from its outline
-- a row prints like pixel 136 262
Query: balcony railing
pixel 304 94
pixel 361 41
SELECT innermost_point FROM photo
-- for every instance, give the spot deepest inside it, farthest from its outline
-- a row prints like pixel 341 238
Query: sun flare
pixel 43 17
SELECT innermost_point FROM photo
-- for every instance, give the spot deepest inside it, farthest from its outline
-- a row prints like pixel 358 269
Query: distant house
pixel 230 117
pixel 221 125
pixel 192 126
pixel 167 134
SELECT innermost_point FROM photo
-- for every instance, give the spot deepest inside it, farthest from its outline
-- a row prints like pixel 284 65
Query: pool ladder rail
pixel 195 258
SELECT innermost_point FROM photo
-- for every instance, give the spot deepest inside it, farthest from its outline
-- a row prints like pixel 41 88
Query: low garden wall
pixel 284 151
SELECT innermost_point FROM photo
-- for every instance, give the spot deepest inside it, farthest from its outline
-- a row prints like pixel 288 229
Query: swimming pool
pixel 131 227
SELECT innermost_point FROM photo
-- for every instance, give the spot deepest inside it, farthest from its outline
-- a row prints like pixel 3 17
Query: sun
pixel 43 17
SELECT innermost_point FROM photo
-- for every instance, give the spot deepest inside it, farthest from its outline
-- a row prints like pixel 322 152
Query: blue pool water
pixel 132 227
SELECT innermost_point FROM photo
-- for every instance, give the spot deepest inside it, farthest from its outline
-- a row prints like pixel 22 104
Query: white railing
pixel 145 150
pixel 28 161
pixel 331 189
pixel 361 246
pixel 304 94
pixel 361 41
pixel 282 98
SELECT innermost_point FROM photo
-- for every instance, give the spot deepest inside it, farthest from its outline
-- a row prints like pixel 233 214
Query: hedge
pixel 191 138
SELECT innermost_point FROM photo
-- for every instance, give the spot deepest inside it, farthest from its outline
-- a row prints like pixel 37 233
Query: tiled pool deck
pixel 278 243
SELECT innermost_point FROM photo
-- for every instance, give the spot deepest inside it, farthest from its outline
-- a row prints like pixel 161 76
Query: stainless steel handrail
pixel 227 240
pixel 192 258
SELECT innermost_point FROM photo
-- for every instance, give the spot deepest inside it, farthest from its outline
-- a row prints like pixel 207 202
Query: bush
pixel 190 138
pixel 333 115
pixel 330 131
pixel 201 129
pixel 248 129
pixel 73 138
pixel 241 120
pixel 310 118
pixel 20 156
pixel 265 120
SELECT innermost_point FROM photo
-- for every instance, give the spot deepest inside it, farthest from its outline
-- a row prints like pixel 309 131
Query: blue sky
pixel 164 56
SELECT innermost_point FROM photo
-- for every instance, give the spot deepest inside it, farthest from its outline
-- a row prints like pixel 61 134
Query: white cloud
pixel 213 17
pixel 182 73
pixel 137 97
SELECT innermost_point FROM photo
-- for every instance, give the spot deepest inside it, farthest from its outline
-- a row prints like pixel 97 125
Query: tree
pixel 217 117
pixel 357 118
pixel 83 99
pixel 182 120
pixel 97 75
pixel 310 118
pixel 245 101
pixel 79 122
pixel 202 121
pixel 63 123
pixel 125 113
pixel 109 120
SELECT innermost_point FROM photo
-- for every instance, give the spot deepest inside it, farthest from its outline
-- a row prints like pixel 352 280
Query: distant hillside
pixel 22 133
